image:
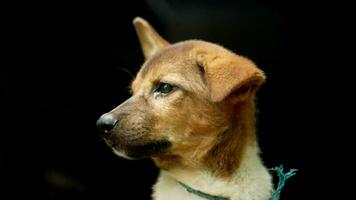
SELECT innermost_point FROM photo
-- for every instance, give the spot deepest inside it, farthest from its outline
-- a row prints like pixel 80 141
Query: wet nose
pixel 106 123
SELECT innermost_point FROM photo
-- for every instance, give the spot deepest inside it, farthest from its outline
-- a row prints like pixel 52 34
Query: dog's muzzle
pixel 130 138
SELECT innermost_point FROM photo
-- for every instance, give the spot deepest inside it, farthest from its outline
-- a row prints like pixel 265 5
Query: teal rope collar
pixel 282 178
pixel 202 194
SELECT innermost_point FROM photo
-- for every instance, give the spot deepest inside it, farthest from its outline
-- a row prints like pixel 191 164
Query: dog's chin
pixel 122 154
pixel 142 150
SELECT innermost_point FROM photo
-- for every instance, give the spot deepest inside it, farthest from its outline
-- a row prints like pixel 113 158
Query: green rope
pixel 282 178
pixel 202 194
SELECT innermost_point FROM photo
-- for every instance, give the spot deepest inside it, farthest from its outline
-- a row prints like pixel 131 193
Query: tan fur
pixel 205 118
pixel 209 118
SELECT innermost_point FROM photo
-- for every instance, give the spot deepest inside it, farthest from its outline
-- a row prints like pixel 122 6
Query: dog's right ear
pixel 150 40
pixel 228 74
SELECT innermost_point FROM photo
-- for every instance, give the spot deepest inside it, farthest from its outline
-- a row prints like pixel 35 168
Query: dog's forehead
pixel 169 58
pixel 175 62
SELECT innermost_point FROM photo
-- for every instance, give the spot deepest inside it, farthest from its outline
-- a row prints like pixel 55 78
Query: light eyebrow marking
pixel 175 80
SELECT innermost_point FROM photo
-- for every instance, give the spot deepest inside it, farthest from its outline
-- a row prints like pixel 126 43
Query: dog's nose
pixel 106 123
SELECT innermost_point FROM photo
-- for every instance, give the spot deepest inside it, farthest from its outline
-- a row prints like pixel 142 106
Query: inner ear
pixel 202 75
pixel 243 93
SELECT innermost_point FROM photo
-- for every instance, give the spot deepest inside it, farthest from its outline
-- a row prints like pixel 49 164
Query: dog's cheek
pixel 170 117
pixel 205 117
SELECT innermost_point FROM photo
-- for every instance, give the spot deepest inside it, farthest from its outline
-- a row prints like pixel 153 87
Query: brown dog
pixel 192 111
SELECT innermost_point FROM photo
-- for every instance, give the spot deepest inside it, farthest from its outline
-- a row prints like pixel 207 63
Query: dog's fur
pixel 203 132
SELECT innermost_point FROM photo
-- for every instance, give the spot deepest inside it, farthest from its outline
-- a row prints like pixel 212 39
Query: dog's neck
pixel 250 181
pixel 225 154
pixel 231 166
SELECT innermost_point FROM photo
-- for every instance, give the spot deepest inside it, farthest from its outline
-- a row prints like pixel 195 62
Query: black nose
pixel 106 123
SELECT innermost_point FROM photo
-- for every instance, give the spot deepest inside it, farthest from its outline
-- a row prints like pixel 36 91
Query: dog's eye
pixel 164 88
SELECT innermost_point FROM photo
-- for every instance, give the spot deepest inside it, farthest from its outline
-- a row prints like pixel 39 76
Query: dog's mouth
pixel 139 150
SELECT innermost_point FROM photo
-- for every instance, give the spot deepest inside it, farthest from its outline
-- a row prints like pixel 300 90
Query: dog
pixel 192 111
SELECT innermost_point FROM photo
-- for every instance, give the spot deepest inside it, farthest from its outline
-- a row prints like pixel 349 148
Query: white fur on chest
pixel 251 182
pixel 168 188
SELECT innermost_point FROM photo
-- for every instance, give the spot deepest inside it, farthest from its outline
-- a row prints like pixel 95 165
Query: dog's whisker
pixel 127 71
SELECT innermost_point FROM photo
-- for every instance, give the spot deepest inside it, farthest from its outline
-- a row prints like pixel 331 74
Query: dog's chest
pixel 167 188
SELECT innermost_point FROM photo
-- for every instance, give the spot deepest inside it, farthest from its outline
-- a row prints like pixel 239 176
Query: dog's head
pixel 185 96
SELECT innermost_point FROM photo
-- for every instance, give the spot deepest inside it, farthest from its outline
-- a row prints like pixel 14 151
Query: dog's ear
pixel 150 40
pixel 228 74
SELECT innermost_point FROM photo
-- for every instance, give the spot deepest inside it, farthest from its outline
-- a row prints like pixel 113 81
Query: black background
pixel 71 63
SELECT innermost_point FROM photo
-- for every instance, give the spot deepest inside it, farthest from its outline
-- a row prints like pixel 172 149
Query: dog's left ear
pixel 150 40
pixel 228 74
